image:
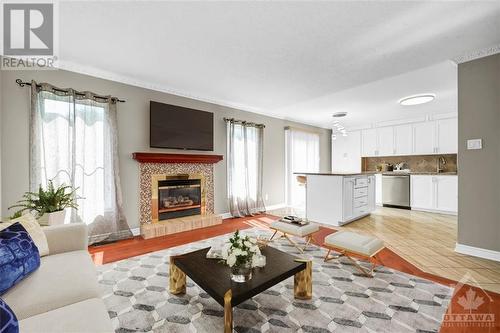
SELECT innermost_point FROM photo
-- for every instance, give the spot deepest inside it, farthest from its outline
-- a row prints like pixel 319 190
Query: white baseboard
pixel 477 252
pixel 136 231
pixel 445 212
pixel 268 208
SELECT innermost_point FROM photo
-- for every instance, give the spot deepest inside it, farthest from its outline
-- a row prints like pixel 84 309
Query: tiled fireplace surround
pixel 155 168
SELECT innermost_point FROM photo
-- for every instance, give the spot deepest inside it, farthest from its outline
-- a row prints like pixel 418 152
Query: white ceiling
pixel 294 60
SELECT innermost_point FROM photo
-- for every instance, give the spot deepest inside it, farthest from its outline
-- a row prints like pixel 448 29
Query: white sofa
pixel 62 295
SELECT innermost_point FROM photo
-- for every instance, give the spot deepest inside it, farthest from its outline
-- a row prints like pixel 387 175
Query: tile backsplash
pixel 416 163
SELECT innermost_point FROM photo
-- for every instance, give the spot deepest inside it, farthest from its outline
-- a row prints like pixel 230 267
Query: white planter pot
pixel 54 218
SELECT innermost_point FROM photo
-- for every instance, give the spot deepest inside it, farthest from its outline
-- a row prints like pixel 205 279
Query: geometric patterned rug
pixel 135 292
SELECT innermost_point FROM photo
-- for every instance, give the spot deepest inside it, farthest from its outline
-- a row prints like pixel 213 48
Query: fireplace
pixel 178 198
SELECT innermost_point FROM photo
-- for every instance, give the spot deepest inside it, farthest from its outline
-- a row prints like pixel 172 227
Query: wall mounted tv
pixel 176 127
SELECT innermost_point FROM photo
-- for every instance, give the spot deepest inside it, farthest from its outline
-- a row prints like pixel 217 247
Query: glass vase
pixel 241 273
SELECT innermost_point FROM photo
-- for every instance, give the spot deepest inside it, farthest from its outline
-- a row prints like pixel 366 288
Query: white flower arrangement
pixel 240 251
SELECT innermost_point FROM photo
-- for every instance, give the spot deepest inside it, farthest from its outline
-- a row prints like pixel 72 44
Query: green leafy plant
pixel 49 200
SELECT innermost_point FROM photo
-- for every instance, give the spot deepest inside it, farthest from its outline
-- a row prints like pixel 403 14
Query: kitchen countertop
pixel 367 173
pixel 392 173
pixel 389 173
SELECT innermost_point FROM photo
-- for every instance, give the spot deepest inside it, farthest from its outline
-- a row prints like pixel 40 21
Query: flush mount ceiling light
pixel 417 99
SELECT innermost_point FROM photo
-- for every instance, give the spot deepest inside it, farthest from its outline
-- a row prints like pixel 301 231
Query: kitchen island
pixel 339 198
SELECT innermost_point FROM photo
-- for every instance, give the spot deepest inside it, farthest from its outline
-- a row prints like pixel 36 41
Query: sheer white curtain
pixel 244 168
pixel 302 155
pixel 74 142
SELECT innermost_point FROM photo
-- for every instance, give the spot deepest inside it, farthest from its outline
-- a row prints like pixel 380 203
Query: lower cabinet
pixel 434 193
pixel 446 193
pixel 378 189
pixel 348 199
pixel 337 199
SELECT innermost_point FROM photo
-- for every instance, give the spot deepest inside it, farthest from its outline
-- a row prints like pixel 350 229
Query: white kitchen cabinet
pixel 447 136
pixel 378 189
pixel 369 142
pixel 434 193
pixel 337 199
pixel 421 192
pixel 348 199
pixel 424 138
pixel 371 197
pixel 346 153
pixel 385 141
pixel 446 193
pixel 403 140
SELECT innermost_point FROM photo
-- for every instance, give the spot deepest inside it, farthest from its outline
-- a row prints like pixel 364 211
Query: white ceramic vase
pixel 54 218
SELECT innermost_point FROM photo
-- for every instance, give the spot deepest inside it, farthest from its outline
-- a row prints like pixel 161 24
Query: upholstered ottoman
pixel 306 231
pixel 350 242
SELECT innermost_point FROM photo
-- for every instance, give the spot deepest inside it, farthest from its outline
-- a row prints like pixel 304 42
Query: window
pixel 302 155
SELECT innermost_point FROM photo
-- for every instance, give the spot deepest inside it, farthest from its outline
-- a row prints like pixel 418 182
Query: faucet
pixel 441 161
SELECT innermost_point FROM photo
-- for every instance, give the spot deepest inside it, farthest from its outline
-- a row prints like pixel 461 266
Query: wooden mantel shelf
pixel 176 158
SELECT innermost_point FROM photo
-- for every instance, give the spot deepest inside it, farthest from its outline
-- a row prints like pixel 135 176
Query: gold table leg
pixel 177 279
pixel 228 312
pixel 302 282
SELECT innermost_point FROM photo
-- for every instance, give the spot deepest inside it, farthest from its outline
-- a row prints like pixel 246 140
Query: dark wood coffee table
pixel 215 278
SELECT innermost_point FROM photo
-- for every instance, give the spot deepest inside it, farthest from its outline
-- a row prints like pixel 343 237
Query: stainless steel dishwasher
pixel 396 191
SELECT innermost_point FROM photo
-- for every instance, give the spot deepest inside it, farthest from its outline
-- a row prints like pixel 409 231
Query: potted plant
pixel 241 254
pixel 49 204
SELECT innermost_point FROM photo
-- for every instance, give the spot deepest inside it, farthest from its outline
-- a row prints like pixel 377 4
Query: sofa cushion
pixel 82 317
pixel 19 256
pixel 8 320
pixel 62 279
pixel 31 225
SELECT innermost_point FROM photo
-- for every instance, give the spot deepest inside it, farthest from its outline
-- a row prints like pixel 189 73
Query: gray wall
pixel 1 102
pixel 479 170
pixel 133 132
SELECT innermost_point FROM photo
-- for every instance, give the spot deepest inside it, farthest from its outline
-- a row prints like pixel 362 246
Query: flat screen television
pixel 176 127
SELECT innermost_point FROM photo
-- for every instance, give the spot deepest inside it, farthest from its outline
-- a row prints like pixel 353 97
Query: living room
pixel 313 175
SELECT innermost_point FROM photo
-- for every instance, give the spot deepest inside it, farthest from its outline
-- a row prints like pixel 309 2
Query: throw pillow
pixel 31 225
pixel 8 320
pixel 18 256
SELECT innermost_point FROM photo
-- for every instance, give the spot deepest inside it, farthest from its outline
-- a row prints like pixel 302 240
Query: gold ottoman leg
pixel 302 282
pixel 177 279
pixel 228 312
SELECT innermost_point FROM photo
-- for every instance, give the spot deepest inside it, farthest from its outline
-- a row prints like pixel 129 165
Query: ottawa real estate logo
pixel 473 308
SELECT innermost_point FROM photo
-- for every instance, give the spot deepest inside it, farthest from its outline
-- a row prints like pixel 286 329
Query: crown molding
pixel 473 55
pixel 111 76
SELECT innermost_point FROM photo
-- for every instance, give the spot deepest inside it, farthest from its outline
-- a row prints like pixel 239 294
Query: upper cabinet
pixel 437 136
pixel 420 138
pixel 447 136
pixel 385 141
pixel 403 140
pixel 369 142
pixel 424 137
pixel 377 141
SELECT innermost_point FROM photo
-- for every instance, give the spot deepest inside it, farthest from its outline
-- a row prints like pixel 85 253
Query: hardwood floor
pixel 427 240
pixel 417 243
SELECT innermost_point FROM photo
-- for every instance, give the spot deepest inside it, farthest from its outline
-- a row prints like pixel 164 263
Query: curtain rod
pixel 293 128
pixel 115 99
pixel 243 122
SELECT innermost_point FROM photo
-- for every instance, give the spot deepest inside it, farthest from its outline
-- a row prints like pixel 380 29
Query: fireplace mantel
pixel 176 158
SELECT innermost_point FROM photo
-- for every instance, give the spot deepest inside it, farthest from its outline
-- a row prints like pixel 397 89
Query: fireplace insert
pixel 178 198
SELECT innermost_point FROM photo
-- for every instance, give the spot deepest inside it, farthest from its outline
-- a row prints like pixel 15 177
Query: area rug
pixel 136 295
